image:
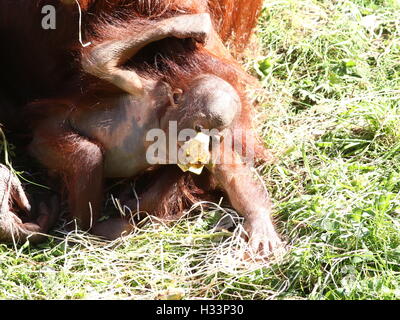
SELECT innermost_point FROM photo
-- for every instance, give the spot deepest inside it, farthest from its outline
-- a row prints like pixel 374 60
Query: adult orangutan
pixel 150 63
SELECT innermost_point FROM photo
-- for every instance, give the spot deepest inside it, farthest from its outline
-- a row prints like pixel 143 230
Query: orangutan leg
pixel 106 60
pixel 77 160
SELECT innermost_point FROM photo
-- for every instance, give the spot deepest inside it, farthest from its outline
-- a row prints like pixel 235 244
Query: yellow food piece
pixel 197 153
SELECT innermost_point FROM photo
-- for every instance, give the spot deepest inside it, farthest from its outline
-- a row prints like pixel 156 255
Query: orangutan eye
pixel 198 127
pixel 177 96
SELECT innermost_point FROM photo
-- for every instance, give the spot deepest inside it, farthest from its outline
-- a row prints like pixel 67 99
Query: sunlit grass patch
pixel 332 116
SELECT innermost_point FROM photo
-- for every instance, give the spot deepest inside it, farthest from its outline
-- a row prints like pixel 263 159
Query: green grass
pixel 330 109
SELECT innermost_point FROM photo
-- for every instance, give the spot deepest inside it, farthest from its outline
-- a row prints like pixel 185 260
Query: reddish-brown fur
pixel 44 70
pixel 43 63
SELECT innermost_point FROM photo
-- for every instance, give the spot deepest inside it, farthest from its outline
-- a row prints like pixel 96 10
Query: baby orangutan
pixel 104 136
